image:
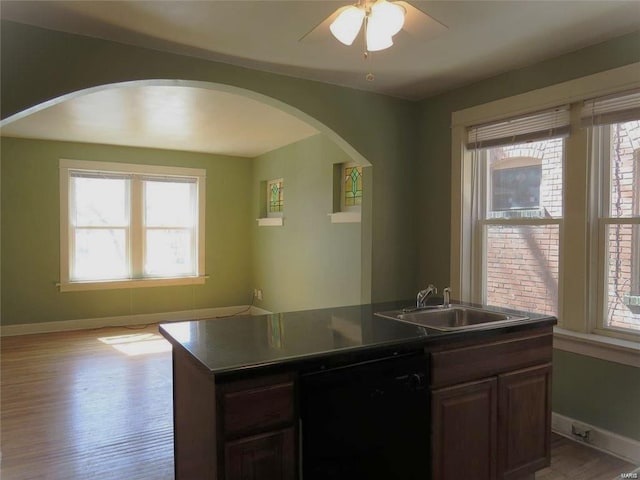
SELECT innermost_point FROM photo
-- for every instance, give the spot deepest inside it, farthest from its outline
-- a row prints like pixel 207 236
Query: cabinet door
pixel 525 421
pixel 464 431
pixel 262 457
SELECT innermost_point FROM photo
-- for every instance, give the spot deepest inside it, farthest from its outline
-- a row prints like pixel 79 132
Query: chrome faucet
pixel 446 297
pixel 424 294
pixel 421 299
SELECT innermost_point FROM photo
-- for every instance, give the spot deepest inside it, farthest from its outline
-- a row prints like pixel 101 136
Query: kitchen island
pixel 241 391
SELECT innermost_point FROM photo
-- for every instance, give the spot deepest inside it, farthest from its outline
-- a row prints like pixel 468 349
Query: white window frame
pixel 135 248
pixel 601 219
pixel 575 332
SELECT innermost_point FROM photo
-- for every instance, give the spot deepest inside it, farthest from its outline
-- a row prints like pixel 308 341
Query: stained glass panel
pixel 352 186
pixel 276 198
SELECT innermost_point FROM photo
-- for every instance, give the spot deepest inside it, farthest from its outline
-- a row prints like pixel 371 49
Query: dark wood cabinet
pixel 233 430
pixel 491 407
pixel 464 421
pixel 269 456
pixel 524 421
pixel 259 428
pixel 490 413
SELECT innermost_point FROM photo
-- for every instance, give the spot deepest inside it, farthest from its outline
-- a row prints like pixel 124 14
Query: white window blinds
pixel 617 108
pixel 168 179
pixel 99 175
pixel 525 128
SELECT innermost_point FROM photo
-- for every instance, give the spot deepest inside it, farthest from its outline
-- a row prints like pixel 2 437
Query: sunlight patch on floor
pixel 137 343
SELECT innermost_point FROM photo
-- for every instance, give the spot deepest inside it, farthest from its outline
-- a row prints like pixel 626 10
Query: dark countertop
pixel 244 343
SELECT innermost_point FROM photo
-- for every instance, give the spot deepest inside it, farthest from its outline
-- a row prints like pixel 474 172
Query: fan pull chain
pixel 370 77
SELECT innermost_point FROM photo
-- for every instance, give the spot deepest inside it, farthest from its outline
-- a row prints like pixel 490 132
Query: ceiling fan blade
pixel 321 31
pixel 420 25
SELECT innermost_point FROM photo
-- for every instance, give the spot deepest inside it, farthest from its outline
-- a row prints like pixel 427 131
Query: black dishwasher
pixel 367 421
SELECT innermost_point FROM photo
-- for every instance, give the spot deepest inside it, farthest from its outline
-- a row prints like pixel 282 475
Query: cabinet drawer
pixel 262 457
pixel 473 362
pixel 258 408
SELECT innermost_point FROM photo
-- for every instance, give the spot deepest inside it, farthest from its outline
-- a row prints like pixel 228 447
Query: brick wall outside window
pixel 522 261
pixel 522 267
pixel 623 239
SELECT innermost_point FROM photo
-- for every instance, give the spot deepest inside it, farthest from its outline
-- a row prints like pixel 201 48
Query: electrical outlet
pixel 580 431
pixel 259 295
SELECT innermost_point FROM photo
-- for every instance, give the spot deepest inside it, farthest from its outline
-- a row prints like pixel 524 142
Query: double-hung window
pixel 518 173
pixel 613 123
pixel 546 208
pixel 125 225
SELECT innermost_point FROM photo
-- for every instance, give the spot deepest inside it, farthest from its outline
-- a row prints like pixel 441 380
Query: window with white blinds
pixel 617 108
pixel 130 225
pixel 551 196
pixel 533 126
pixel 518 168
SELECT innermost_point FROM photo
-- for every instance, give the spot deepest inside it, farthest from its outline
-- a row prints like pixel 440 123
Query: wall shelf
pixel 270 222
pixel 345 217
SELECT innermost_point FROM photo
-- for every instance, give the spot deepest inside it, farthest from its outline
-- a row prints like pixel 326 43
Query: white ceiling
pixel 482 39
pixel 168 117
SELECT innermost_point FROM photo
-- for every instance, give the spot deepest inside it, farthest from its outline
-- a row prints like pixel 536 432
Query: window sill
pixel 138 283
pixel 270 222
pixel 611 349
pixel 346 217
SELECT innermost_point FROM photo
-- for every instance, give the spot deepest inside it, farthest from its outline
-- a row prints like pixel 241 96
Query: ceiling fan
pixel 379 20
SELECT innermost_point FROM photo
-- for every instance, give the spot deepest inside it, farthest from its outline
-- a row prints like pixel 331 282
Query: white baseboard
pixel 600 439
pixel 123 320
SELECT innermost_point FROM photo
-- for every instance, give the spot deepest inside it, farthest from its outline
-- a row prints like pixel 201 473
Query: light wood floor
pixel 97 405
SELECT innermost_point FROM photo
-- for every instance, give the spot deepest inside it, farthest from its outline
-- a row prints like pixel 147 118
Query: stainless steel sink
pixel 452 318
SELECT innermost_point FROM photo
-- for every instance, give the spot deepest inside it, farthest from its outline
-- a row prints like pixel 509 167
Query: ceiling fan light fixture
pixel 377 38
pixel 389 17
pixel 347 25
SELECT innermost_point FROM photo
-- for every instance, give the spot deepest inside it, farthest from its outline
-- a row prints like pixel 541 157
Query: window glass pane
pixel 525 180
pixel 352 186
pixel 516 188
pixel 169 204
pixel 169 252
pixel 625 170
pixel 99 202
pixel 521 269
pixel 623 277
pixel 99 254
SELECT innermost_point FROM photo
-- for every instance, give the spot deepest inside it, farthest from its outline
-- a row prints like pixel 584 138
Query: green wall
pixel 31 235
pixel 308 262
pixel 39 65
pixel 597 392
pixel 600 393
pixel 407 143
